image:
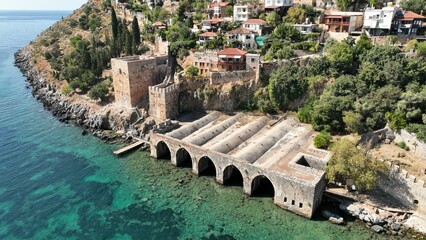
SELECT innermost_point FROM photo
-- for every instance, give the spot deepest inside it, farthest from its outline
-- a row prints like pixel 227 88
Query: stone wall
pixel 290 193
pixel 411 140
pixel 163 101
pixel 218 78
pixel 133 75
pixel 404 187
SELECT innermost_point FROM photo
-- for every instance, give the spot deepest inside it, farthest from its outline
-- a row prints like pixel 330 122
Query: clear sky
pixel 41 4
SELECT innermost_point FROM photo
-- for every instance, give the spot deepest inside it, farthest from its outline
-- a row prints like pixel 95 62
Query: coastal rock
pixel 395 226
pixel 70 109
pixel 333 218
pixel 377 228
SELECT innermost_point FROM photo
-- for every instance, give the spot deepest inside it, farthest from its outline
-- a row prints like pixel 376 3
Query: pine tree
pixel 128 43
pixel 114 24
pixel 136 31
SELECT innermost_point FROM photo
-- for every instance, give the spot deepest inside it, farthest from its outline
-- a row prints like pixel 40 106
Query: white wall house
pixel 379 21
pixel 278 3
pixel 241 13
pixel 246 37
pixel 255 25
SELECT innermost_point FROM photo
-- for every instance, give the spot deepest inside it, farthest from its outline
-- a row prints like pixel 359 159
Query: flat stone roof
pixel 282 145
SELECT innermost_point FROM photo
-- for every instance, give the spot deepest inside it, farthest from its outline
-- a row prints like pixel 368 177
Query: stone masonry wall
pixel 404 187
pixel 164 101
pixel 290 193
pixel 217 78
pixel 410 139
pixel 132 76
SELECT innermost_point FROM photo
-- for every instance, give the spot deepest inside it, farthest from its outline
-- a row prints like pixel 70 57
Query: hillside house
pixel 212 25
pixel 243 12
pixel 306 27
pixel 206 62
pixel 246 37
pixel 277 5
pixel 255 25
pixel 217 9
pixel 379 21
pixel 408 23
pixel 231 59
pixel 203 37
pixel 344 21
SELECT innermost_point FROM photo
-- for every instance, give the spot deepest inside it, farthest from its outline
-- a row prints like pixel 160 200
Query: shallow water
pixel 57 184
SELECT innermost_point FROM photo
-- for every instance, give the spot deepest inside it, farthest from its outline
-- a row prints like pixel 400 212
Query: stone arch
pixel 206 167
pixel 232 176
pixel 261 186
pixel 183 158
pixel 163 151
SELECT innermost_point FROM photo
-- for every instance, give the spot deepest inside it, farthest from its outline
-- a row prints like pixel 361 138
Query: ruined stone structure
pixel 265 156
pixel 133 75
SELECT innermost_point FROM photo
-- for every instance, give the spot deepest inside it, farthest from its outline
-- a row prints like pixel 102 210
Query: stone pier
pixel 266 157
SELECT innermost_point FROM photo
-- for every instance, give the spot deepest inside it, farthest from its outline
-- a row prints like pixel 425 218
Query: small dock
pixel 128 148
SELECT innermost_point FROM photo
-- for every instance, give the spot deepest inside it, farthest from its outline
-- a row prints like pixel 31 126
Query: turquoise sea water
pixel 57 184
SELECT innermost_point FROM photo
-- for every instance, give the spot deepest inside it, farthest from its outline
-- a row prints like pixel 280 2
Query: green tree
pixel 136 31
pixel 349 162
pixel 421 49
pixel 181 39
pixel 396 120
pixel 328 112
pixel 341 57
pixel 83 22
pixel 353 122
pixel 287 84
pixel 273 19
pixel 414 5
pixel 286 31
pixel 295 15
pixel 191 71
pixel 364 44
pixel 229 11
pixel 128 45
pixel 343 4
pixel 99 91
pixel 322 140
pixel 114 24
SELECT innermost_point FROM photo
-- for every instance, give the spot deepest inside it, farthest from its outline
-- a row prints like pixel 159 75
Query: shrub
pixel 322 140
pixel 67 90
pixel 99 91
pixel 191 71
pixel 403 145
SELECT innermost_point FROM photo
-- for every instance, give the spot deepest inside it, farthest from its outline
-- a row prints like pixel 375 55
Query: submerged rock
pixel 333 218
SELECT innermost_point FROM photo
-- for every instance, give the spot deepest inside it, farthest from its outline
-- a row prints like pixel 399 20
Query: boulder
pixel 333 218
pixel 395 226
pixel 377 228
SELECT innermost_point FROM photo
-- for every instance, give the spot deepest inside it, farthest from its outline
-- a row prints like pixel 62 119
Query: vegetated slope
pixel 354 87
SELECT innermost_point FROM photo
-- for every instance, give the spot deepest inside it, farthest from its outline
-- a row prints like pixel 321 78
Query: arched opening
pixel 232 176
pixel 163 151
pixel 261 186
pixel 206 167
pixel 183 159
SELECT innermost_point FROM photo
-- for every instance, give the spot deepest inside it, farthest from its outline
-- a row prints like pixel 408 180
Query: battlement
pixel 411 179
pixel 164 101
pixel 160 89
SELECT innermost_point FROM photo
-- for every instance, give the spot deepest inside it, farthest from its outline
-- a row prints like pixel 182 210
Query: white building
pixel 246 37
pixel 241 13
pixel 273 4
pixel 379 21
pixel 255 25
pixel 305 28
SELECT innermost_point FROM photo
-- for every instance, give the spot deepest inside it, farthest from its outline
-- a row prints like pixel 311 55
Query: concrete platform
pixel 263 151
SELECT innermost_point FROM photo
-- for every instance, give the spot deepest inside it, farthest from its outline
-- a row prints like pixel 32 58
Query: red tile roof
pixel 208 34
pixel 409 15
pixel 255 20
pixel 240 31
pixel 232 51
pixel 215 20
pixel 222 4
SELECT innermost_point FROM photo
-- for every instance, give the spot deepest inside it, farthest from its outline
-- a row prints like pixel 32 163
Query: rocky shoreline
pixel 104 122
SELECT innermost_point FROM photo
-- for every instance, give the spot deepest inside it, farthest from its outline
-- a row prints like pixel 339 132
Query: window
pixel 285 199
pixel 293 202
pixel 300 205
pixel 252 60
